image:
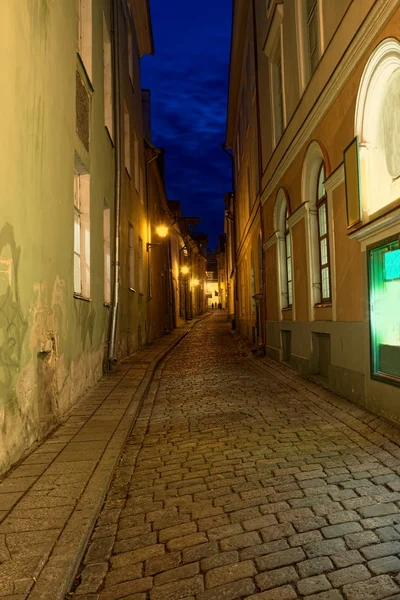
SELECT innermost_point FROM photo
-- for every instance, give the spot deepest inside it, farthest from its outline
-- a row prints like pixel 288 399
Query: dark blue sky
pixel 188 79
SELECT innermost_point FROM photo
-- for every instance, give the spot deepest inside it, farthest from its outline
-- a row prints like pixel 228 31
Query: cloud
pixel 188 79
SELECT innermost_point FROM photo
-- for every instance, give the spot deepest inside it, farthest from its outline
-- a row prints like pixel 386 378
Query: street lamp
pixel 184 270
pixel 162 232
pixel 195 282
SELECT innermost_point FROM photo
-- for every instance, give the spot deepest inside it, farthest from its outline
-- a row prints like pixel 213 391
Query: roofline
pixel 144 31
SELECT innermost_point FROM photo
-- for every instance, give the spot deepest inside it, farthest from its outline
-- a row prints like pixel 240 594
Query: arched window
pixel 314 194
pixel 323 237
pixel 288 249
pixel 377 124
pixel 284 249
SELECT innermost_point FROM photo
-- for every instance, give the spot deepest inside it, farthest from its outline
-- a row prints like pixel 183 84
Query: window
pixel 277 95
pixel 377 121
pixel 136 167
pixel 130 48
pixel 127 140
pixel 249 191
pixel 315 203
pixel 312 33
pixel 284 254
pixel 288 251
pixel 323 239
pixel 274 52
pixel 81 233
pixel 84 33
pixel 384 297
pixel 309 38
pixel 107 253
pixel 140 259
pixel 131 257
pixel 108 88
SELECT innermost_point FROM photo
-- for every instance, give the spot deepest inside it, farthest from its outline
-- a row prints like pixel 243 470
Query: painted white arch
pixel 312 163
pixel 281 206
pixel 377 123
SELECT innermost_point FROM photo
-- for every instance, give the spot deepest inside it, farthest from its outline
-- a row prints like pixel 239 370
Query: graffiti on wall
pixel 13 325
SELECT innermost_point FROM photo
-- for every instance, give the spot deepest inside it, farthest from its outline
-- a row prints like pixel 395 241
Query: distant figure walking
pixel 212 304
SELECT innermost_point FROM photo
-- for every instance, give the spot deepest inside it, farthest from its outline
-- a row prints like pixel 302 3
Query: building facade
pixel 212 280
pixel 326 81
pixel 80 285
pixel 221 266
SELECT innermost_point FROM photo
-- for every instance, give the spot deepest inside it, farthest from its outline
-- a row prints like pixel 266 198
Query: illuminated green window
pixel 384 298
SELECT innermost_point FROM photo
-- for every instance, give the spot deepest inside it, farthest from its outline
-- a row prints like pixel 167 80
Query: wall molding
pixel 298 215
pixel 335 179
pixel 376 227
pixel 271 241
pixel 374 22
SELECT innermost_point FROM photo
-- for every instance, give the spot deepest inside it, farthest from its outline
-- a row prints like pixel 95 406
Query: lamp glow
pixel 185 270
pixel 162 231
pixel 195 282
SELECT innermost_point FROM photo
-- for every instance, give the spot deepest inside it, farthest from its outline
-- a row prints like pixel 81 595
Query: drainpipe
pixel 234 236
pixel 117 184
pixel 263 315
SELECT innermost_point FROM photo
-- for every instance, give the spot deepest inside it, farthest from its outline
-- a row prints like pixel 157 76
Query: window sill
pixel 287 308
pixel 79 297
pixel 327 304
pixel 388 379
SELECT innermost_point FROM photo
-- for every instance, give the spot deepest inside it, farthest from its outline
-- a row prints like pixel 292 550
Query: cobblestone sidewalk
pixel 49 502
pixel 241 482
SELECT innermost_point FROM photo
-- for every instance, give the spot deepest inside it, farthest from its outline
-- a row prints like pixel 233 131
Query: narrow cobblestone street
pixel 238 482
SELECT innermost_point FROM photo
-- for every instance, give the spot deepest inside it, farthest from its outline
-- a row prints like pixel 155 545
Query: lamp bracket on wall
pixel 148 245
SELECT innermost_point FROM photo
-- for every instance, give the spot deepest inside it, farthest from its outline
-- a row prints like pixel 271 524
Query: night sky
pixel 188 79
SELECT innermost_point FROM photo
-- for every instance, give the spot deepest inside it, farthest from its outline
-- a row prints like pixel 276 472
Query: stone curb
pixel 57 576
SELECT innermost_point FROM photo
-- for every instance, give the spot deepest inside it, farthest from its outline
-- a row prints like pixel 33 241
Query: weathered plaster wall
pixel 51 344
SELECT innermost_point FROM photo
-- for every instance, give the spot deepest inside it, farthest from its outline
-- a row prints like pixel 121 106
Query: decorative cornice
pixel 335 179
pixel 298 214
pixel 359 45
pixel 379 226
pixel 271 241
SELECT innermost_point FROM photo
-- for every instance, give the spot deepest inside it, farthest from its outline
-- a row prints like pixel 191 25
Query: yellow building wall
pixel 300 271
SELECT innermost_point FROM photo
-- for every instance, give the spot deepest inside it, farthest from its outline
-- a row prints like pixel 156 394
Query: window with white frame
pixel 377 125
pixel 107 252
pixel 84 33
pixel 81 232
pixel 309 38
pixel 312 34
pixel 288 250
pixel 284 253
pixel 108 87
pixel 315 199
pixel 323 236
pixel 274 51
pixel 131 257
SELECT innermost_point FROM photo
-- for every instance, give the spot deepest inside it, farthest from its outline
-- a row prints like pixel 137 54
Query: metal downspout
pixel 117 189
pixel 263 315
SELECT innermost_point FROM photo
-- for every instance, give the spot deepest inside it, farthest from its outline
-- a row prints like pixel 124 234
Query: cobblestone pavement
pixel 238 483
